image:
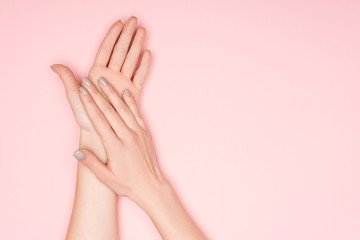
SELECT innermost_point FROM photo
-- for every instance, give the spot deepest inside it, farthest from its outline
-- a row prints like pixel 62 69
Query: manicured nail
pixel 127 93
pixel 52 68
pixel 103 81
pixel 83 90
pixel 86 81
pixel 79 155
pixel 121 20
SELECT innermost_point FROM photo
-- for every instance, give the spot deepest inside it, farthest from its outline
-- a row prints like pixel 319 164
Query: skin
pixel 132 168
pixel 94 214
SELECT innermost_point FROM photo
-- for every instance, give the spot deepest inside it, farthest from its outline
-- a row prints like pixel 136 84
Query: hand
pixel 95 213
pixel 116 60
pixel 132 167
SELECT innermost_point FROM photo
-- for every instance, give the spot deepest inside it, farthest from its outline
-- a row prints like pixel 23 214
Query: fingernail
pixel 103 81
pixel 52 68
pixel 127 93
pixel 83 90
pixel 79 155
pixel 86 81
pixel 121 20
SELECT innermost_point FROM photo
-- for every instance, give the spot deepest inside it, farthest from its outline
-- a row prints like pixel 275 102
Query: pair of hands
pixel 105 109
pixel 122 155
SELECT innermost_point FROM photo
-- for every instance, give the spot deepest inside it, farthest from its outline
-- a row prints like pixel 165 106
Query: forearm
pixel 94 214
pixel 168 214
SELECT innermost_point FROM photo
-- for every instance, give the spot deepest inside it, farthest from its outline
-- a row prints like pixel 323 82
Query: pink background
pixel 254 107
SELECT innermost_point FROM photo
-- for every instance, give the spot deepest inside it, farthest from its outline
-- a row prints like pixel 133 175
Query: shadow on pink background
pixel 254 107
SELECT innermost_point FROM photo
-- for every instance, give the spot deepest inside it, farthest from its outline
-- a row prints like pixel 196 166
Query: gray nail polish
pixel 127 93
pixel 79 155
pixel 103 81
pixel 86 81
pixel 83 90
pixel 52 68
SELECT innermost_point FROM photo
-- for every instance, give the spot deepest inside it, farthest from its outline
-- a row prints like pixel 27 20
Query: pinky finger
pixel 130 102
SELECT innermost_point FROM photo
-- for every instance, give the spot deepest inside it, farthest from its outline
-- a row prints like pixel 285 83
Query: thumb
pixel 101 171
pixel 72 94
pixel 68 79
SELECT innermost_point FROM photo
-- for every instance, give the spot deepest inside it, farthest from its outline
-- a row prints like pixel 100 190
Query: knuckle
pixel 132 138
pixel 126 34
pixel 111 93
pixel 108 47
pixel 125 109
pixel 94 92
pixel 119 143
pixel 98 117
pixel 120 105
pixel 143 133
pixel 89 162
pixel 88 100
pixel 111 141
pixel 107 109
pixel 131 104
pixel 148 134
pixel 121 49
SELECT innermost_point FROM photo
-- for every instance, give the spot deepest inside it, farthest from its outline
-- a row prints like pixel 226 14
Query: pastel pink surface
pixel 254 107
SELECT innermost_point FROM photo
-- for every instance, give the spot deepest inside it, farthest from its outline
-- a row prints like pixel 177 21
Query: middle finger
pixel 122 46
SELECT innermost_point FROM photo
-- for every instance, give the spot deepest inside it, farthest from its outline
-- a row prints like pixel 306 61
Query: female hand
pixel 132 169
pixel 115 60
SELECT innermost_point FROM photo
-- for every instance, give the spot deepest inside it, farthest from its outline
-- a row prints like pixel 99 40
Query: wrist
pixel 91 140
pixel 154 195
pixel 166 211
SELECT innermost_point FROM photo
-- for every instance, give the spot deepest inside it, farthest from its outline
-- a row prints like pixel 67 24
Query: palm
pixel 117 79
pixel 112 63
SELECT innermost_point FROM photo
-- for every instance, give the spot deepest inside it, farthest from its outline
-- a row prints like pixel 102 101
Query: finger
pixel 109 112
pixel 100 170
pixel 119 105
pixel 122 45
pixel 68 79
pixel 101 125
pixel 130 102
pixel 107 45
pixel 143 70
pixel 72 94
pixel 133 55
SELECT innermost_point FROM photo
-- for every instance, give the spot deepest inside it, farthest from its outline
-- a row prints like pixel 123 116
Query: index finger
pixel 97 118
pixel 106 47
